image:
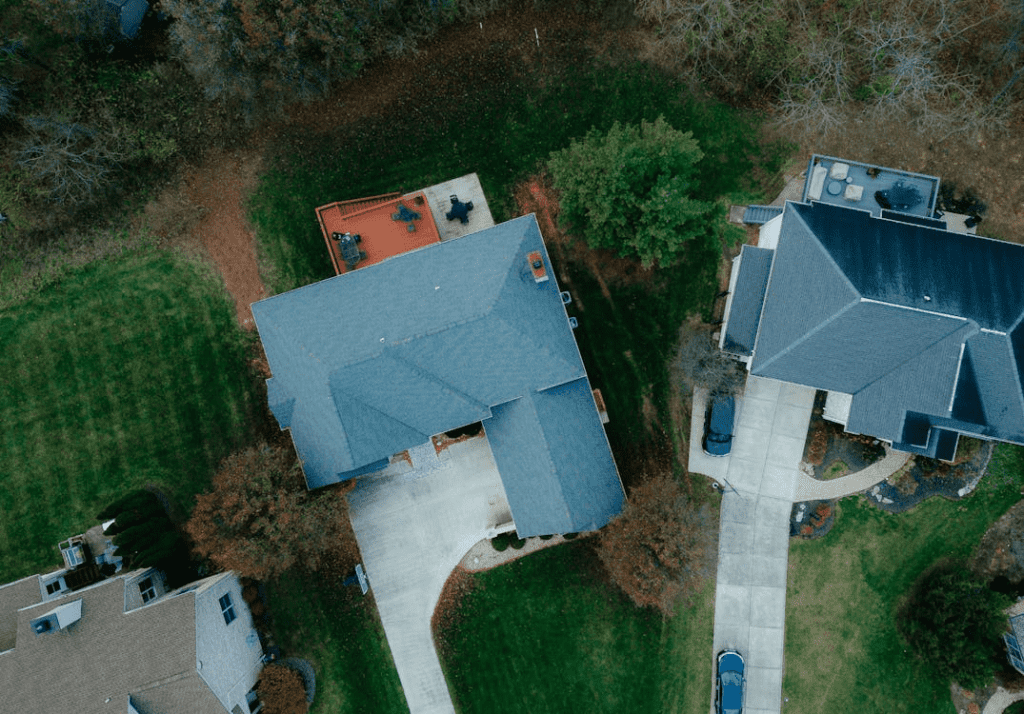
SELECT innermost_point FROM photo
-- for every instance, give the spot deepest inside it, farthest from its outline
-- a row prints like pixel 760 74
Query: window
pixel 147 589
pixel 54 587
pixel 227 609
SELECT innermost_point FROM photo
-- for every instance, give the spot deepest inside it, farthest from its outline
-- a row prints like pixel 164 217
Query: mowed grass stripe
pixel 132 372
pixel 548 633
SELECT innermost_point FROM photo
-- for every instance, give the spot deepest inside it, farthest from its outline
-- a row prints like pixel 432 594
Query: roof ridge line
pixel 826 251
pixel 434 377
pixel 810 333
pixel 968 323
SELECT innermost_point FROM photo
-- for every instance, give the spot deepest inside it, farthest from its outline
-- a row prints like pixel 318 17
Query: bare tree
pixel 701 364
pixel 71 163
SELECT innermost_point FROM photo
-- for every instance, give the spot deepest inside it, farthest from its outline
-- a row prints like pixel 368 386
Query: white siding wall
pixel 229 657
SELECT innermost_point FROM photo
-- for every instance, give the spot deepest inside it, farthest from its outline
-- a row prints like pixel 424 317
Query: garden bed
pixel 922 478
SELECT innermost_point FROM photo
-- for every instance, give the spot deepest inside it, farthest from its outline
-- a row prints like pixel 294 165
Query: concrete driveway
pixel 414 523
pixel 758 477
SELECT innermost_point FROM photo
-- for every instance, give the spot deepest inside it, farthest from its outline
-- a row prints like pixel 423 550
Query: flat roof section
pixel 842 182
pixel 386 225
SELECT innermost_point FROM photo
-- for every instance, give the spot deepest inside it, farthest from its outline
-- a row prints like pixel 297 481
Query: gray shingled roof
pixel 373 362
pixel 107 654
pixel 747 300
pixel 882 310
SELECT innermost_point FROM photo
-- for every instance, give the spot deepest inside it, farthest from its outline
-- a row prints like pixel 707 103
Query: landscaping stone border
pixel 959 482
pixel 305 668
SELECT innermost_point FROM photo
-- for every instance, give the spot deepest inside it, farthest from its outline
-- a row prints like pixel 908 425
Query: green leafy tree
pixel 954 622
pixel 261 520
pixel 632 190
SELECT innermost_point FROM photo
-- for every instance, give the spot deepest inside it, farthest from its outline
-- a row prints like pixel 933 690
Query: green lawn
pixel 339 631
pixel 127 372
pixel 515 115
pixel 546 633
pixel 842 649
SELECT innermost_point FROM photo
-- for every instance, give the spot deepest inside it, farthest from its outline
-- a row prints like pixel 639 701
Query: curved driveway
pixel 414 524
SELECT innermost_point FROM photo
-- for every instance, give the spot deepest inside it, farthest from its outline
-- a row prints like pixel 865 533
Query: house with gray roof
pixel 909 322
pixel 468 330
pixel 126 645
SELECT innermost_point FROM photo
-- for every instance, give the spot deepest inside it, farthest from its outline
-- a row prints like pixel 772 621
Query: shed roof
pixel 747 300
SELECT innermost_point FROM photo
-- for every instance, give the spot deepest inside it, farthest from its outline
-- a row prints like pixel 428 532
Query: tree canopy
pixel 954 622
pixel 632 190
pixel 661 547
pixel 260 519
pixel 146 537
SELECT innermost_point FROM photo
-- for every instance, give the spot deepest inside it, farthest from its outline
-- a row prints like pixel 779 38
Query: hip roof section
pixel 372 362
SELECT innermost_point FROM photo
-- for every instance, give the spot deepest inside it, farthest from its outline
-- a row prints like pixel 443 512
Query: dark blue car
pixel 718 423
pixel 729 695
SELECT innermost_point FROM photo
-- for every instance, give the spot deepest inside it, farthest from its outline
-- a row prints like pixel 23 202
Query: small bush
pixel 282 690
pixel 500 542
pixel 517 543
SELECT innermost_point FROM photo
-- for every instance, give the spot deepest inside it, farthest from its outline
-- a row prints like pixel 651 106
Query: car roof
pixel 723 411
pixel 730 661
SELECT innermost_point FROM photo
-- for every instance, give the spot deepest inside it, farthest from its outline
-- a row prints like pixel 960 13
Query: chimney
pixel 536 262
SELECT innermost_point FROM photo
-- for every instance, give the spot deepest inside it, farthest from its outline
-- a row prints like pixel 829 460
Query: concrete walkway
pixel 1000 700
pixel 810 489
pixel 414 523
pixel 759 477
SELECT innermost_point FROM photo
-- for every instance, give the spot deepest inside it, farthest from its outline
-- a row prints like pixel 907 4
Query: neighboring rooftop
pixel 921 325
pixel 101 659
pixel 852 184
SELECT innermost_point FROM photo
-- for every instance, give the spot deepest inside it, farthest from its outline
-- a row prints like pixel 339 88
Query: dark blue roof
pixel 375 361
pixel 747 300
pixel 902 264
pixel 906 318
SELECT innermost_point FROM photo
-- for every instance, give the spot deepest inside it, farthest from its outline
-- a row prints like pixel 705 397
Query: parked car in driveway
pixel 729 682
pixel 718 423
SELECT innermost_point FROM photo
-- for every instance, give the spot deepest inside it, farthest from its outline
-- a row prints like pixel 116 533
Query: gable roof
pixel 149 654
pixel 907 318
pixel 373 362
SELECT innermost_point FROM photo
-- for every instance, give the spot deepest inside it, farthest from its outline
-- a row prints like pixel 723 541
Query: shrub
pixel 631 190
pixel 282 690
pixel 954 622
pixel 661 546
pixel 261 520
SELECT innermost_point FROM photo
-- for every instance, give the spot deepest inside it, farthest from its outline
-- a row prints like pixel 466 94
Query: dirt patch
pixel 1001 551
pixel 219 188
pixel 536 195
pixel 459 584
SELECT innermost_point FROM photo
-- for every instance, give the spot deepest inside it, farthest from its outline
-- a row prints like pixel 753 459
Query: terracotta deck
pixel 382 235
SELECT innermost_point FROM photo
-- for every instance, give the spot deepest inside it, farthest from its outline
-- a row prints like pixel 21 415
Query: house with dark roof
pixel 126 644
pixel 470 329
pixel 910 322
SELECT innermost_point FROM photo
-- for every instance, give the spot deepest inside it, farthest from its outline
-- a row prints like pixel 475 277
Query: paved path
pixel 1000 700
pixel 413 527
pixel 810 489
pixel 759 478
